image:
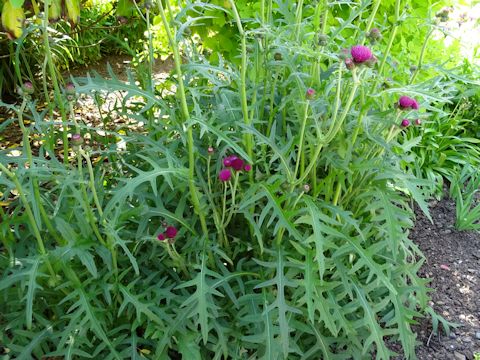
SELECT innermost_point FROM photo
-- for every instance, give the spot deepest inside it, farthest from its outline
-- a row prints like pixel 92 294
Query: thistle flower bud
pixel 27 88
pixel 405 123
pixel 210 150
pixel 278 56
pixel 70 89
pixel 310 94
pixel 374 35
pixel 322 39
pixel 77 140
pixel 418 122
pixel 349 64
pixel 306 188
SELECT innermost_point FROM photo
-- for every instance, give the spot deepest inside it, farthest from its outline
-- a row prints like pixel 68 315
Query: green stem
pixel 186 117
pixel 232 205
pixel 92 182
pixel 150 54
pixel 53 75
pixel 86 204
pixel 298 19
pixel 389 45
pixel 420 60
pixel 324 16
pixel 301 141
pixel 371 18
pixel 336 126
pixel 243 85
pixel 338 190
pixel 72 115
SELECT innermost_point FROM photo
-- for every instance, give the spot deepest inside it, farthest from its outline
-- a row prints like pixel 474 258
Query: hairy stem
pixel 186 117
pixel 420 59
pixel 53 75
pixel 247 139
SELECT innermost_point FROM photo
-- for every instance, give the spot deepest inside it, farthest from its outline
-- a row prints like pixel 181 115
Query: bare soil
pixel 453 265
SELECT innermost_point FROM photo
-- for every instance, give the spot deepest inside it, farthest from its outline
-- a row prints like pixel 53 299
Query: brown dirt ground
pixel 453 265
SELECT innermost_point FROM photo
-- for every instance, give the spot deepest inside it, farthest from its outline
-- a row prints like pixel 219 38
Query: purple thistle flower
pixel 405 122
pixel 405 102
pixel 310 94
pixel 248 167
pixel 414 104
pixel 161 237
pixel 228 160
pixel 237 164
pixel 171 232
pixel 360 53
pixel 225 175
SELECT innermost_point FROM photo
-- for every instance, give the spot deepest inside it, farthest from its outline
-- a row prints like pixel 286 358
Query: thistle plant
pixel 263 213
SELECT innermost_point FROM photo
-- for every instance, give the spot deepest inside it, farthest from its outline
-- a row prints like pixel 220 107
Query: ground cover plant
pixel 260 209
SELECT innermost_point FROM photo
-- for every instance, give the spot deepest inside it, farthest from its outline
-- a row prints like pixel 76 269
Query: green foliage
pixel 464 188
pixel 305 256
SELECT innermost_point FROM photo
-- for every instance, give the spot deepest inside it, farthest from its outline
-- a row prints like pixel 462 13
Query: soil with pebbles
pixel 453 265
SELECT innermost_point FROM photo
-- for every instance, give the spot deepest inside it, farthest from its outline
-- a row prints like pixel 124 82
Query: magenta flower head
pixel 161 237
pixel 360 53
pixel 405 122
pixel 237 164
pixel 247 167
pixel 414 104
pixel 406 102
pixel 228 160
pixel 310 94
pixel 225 175
pixel 171 232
